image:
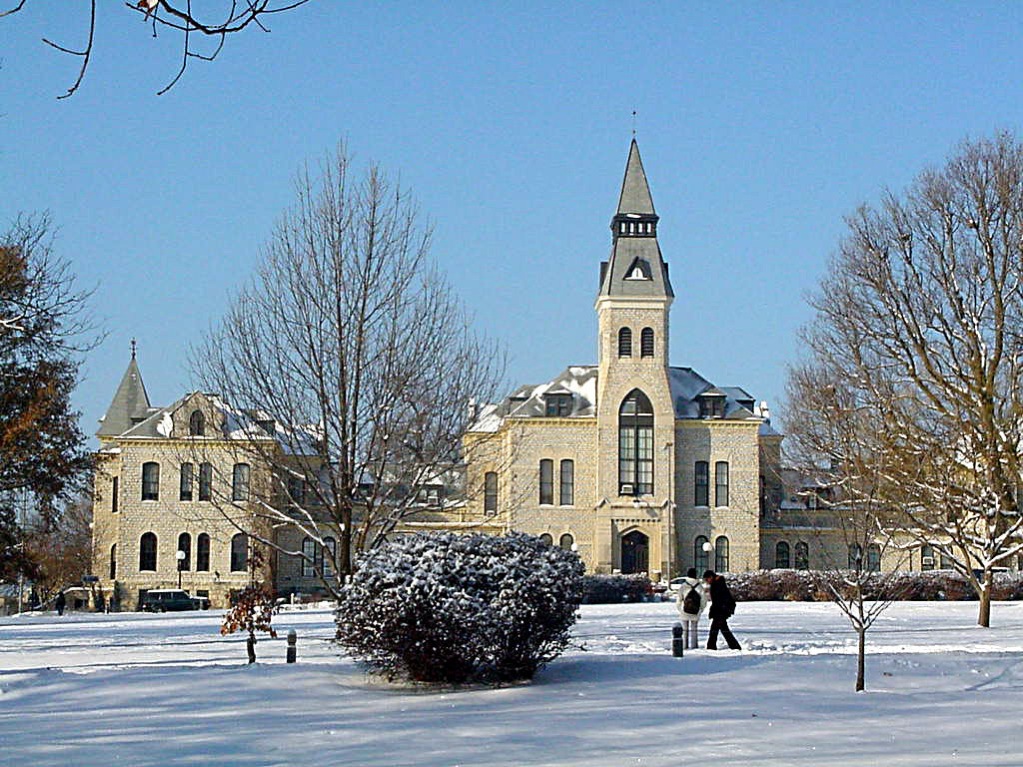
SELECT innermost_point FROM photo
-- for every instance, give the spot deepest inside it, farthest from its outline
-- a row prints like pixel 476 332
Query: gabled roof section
pixel 688 386
pixel 580 381
pixel 635 196
pixel 129 406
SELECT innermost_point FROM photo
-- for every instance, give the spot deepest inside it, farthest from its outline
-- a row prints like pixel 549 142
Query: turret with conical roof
pixel 130 404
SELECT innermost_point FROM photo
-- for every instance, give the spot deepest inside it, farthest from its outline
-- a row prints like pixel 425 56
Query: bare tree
pixel 231 16
pixel 351 352
pixel 919 332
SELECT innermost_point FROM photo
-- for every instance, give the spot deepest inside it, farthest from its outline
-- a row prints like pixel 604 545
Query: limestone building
pixel 640 465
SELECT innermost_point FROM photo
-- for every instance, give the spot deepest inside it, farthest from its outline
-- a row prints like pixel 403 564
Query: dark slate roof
pixel 635 196
pixel 129 406
pixel 687 385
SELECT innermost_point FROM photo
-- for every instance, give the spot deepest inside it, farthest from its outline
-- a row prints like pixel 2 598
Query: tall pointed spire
pixel 130 403
pixel 635 196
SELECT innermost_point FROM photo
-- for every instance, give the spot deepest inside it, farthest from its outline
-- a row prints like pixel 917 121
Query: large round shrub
pixel 460 608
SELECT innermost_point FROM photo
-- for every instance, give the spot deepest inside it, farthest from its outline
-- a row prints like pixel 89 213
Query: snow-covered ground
pixel 168 690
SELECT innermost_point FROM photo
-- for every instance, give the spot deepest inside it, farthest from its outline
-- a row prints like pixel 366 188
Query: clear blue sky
pixel 761 126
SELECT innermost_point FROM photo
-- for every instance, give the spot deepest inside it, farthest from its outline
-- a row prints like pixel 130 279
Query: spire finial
pixel 133 345
pixel 633 123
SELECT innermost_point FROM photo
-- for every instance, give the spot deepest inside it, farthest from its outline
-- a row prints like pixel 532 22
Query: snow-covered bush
pixel 614 589
pixel 460 608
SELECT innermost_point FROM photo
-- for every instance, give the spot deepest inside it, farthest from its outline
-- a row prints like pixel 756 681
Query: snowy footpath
pixel 141 690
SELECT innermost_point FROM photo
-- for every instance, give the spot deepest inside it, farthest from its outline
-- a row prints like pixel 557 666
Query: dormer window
pixel 639 270
pixel 197 424
pixel 712 406
pixel 558 405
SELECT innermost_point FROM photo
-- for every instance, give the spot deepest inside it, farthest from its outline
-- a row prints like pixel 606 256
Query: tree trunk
pixel 860 660
pixel 250 645
pixel 984 616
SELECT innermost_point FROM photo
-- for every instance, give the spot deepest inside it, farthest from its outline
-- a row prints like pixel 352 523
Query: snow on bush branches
pixel 460 608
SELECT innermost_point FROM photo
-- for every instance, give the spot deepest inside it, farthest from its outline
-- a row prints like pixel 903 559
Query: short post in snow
pixel 677 643
pixel 292 646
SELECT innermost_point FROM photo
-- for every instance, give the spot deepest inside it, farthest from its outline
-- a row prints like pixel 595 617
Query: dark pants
pixel 721 624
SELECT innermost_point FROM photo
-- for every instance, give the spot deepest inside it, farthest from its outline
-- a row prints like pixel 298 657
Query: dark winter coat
pixel 722 603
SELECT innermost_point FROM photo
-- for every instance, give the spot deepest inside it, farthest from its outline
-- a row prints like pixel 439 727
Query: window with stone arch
pixel 239 553
pixel 547 539
pixel 147 552
pixel 185 546
pixel 202 553
pixel 567 541
pixel 874 558
pixel 150 481
pixel 197 424
pixel 625 342
pixel 721 554
pixel 636 445
pixel 802 556
pixel 781 555
pixel 701 556
pixel 646 342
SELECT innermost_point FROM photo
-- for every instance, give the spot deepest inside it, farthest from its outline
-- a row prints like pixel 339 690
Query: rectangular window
pixel 627 458
pixel 329 557
pixel 296 490
pixel 721 483
pixel 567 483
pixel 205 481
pixel 309 552
pixel 702 489
pixel 490 493
pixel 202 553
pixel 114 496
pixel 240 482
pixel 645 460
pixel 150 482
pixel 547 481
pixel 186 482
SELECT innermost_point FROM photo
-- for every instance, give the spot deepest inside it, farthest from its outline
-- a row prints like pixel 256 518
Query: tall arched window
pixel 240 482
pixel 701 494
pixel 147 552
pixel 721 483
pixel 239 553
pixel 547 481
pixel 646 342
pixel 185 545
pixel 202 553
pixel 113 561
pixel 874 558
pixel 625 342
pixel 546 538
pixel 701 557
pixel 781 555
pixel 636 445
pixel 197 424
pixel 205 481
pixel 329 556
pixel 150 481
pixel 566 541
pixel 567 491
pixel 490 493
pixel 721 554
pixel 802 556
pixel 187 470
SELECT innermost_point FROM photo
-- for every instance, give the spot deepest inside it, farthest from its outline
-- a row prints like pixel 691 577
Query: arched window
pixel 546 481
pixel 147 552
pixel 701 557
pixel 781 555
pixel 239 553
pixel 185 545
pixel 329 557
pixel 874 558
pixel 566 541
pixel 113 561
pixel 197 424
pixel 205 481
pixel 490 493
pixel 721 483
pixel 567 483
pixel 309 552
pixel 187 470
pixel 546 538
pixel 150 481
pixel 721 554
pixel 702 484
pixel 926 557
pixel 202 553
pixel 646 342
pixel 802 556
pixel 625 342
pixel 636 445
pixel 240 482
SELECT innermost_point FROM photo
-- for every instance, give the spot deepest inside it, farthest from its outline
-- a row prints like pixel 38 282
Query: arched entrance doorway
pixel 635 552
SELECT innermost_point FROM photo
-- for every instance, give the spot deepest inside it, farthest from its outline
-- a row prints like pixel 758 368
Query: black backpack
pixel 691 603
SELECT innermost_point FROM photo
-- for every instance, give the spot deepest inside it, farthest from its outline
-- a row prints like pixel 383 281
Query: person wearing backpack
pixel 692 600
pixel 722 607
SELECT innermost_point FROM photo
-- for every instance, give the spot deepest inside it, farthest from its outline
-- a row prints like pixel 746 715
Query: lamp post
pixel 181 560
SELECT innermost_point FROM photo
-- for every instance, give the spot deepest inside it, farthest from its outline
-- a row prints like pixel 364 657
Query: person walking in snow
pixel 722 607
pixel 692 600
pixel 61 603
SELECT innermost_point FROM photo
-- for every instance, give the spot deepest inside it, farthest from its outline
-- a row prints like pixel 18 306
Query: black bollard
pixel 677 643
pixel 292 646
